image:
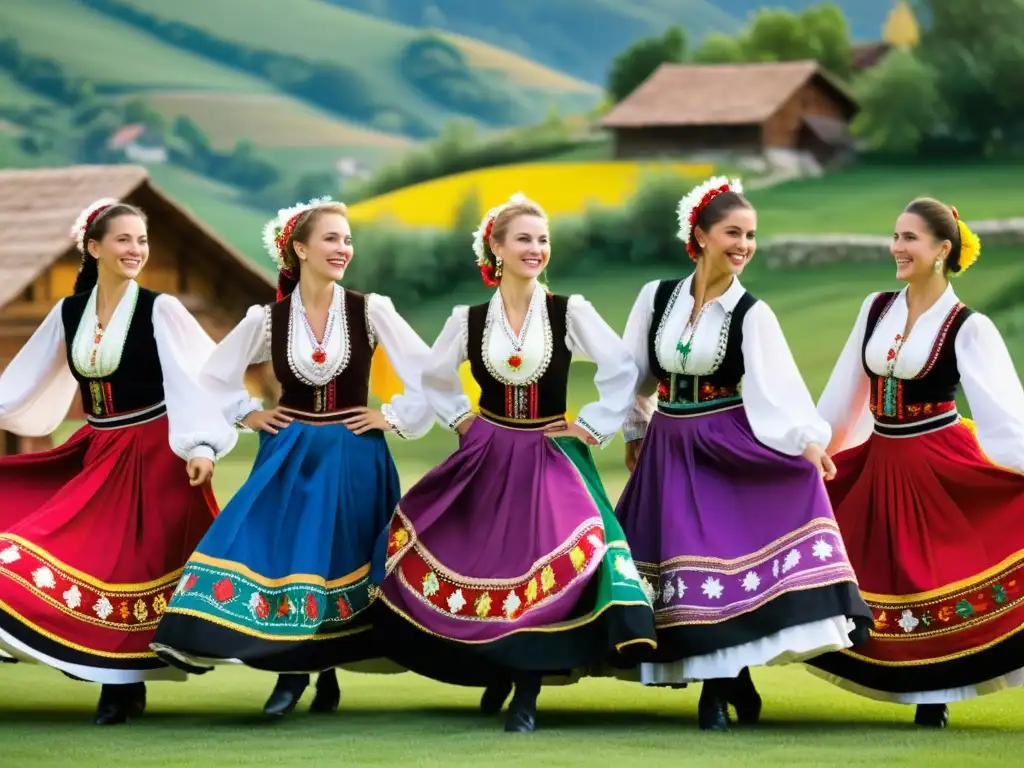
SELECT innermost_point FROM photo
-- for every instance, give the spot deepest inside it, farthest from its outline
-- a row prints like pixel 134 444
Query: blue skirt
pixel 281 580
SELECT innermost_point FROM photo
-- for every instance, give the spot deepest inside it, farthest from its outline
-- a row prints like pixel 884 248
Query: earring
pixel 700 245
pixel 938 266
pixel 497 269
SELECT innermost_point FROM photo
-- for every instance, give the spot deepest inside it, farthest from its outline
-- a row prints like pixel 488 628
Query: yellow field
pixel 268 120
pixel 562 188
pixel 520 70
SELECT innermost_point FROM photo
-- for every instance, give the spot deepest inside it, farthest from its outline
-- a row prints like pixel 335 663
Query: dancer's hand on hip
pixel 633 453
pixel 815 454
pixel 364 419
pixel 564 429
pixel 463 426
pixel 267 421
pixel 200 470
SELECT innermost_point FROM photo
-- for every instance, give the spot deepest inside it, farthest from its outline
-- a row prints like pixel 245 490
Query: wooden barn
pixel 743 108
pixel 39 262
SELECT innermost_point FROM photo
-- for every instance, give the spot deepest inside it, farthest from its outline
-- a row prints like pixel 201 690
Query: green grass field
pixel 866 199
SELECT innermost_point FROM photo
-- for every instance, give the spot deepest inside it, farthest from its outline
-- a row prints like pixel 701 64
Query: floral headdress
pixel 277 231
pixel 970 244
pixel 696 200
pixel 87 217
pixel 482 236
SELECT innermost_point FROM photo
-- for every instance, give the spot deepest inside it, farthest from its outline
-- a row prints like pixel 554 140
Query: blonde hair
pixel 508 214
pixel 304 228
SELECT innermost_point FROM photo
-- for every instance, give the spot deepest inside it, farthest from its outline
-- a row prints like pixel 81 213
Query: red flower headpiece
pixel 695 201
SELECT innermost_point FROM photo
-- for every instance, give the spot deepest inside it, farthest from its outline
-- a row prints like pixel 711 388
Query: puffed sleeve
pixel 440 380
pixel 223 375
pixel 638 328
pixel 616 375
pixel 993 391
pixel 844 403
pixel 197 427
pixel 779 407
pixel 409 414
pixel 37 387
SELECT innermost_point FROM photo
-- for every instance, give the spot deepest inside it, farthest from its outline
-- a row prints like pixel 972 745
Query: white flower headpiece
pixel 277 231
pixel 484 230
pixel 698 197
pixel 86 217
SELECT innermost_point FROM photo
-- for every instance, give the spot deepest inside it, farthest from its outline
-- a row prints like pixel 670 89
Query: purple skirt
pixel 508 556
pixel 737 541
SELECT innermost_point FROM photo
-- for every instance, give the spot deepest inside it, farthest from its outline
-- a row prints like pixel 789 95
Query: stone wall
pixel 807 250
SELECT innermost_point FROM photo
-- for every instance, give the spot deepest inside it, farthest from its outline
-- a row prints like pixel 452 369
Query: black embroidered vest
pixel 700 394
pixel 932 392
pixel 138 382
pixel 349 389
pixel 535 403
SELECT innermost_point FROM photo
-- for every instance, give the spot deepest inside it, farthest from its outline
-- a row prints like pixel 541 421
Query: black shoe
pixel 745 698
pixel 493 698
pixel 713 707
pixel 286 695
pixel 932 715
pixel 119 703
pixel 328 694
pixel 522 712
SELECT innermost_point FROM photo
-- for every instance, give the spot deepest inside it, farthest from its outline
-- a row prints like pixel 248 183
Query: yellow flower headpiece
pixel 970 244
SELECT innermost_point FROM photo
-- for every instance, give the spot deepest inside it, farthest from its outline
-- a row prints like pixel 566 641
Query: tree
pixel 829 34
pixel 640 60
pixel 976 51
pixel 718 48
pixel 900 104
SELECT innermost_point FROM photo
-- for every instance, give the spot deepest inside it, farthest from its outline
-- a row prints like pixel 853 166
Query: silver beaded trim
pixel 545 358
pixel 600 437
pixel 266 352
pixel 339 306
pixel 723 336
pixel 459 419
pixel 371 335
pixel 392 418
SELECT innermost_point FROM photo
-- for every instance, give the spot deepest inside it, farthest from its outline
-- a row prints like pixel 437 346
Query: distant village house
pixel 746 109
pixel 138 144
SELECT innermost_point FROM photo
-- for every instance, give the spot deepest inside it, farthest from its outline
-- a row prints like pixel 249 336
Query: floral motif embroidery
pixel 43 578
pixel 482 604
pixel 751 582
pixel 547 578
pixel 578 558
pixel 456 601
pixel 72 597
pixel 10 555
pixel 668 591
pixel 712 587
pixel 822 550
pixel 511 604
pixel 962 608
pixel 140 611
pixel 159 605
pixel 103 608
pixel 259 605
pixel 907 621
pixel 791 561
pixel 431 586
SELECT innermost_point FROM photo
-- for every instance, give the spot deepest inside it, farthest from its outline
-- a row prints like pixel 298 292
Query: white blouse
pixel 587 336
pixel 36 389
pixel 249 343
pixel 987 374
pixel 776 400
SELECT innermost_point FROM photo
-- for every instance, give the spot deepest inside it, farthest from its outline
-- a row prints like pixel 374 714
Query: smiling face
pixel 729 244
pixel 327 248
pixel 123 249
pixel 525 246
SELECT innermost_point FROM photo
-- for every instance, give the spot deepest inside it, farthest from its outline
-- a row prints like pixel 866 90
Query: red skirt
pixel 934 532
pixel 93 537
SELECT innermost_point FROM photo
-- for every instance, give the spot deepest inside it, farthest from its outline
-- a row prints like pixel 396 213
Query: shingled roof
pixel 718 94
pixel 38 207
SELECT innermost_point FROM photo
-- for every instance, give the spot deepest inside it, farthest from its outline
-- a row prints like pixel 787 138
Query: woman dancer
pixel 725 509
pixel 931 525
pixel 93 534
pixel 280 582
pixel 505 562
